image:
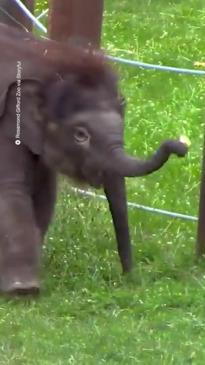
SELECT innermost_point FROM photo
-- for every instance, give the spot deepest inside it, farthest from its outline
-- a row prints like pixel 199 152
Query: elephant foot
pixel 18 286
pixel 21 288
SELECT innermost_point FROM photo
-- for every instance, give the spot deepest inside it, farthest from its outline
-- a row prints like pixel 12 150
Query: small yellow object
pixel 199 64
pixel 185 140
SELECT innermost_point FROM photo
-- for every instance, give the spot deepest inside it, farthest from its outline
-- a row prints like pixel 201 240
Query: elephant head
pixel 84 133
pixel 72 118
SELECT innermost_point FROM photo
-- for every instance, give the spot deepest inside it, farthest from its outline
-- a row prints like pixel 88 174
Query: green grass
pixel 87 312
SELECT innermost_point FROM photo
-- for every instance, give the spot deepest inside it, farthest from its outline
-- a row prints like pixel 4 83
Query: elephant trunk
pixel 128 166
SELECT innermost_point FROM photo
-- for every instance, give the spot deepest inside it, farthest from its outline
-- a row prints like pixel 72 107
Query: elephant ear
pixel 21 114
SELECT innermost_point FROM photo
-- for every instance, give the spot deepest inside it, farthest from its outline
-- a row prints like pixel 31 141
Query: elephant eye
pixel 81 135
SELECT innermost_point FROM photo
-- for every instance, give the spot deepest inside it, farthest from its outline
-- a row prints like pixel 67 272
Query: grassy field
pixel 88 314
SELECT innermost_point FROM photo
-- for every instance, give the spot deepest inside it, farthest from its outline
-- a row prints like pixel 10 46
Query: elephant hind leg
pixel 44 197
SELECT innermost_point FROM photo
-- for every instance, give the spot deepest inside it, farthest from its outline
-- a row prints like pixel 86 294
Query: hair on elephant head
pixel 72 120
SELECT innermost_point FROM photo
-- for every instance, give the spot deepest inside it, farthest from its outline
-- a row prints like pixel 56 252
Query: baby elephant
pixel 60 112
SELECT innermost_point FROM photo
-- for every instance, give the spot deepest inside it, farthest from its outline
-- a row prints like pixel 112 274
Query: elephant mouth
pixel 82 176
pixel 94 178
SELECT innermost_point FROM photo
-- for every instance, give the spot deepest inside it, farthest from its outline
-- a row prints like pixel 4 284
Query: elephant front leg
pixel 19 243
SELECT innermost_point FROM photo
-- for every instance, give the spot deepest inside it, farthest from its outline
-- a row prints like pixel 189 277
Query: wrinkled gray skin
pixel 71 123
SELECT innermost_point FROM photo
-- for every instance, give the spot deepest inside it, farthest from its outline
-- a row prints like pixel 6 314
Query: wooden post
pixel 10 11
pixel 77 20
pixel 201 223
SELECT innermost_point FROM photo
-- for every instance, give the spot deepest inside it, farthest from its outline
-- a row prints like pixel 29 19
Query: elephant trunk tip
pixel 178 147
